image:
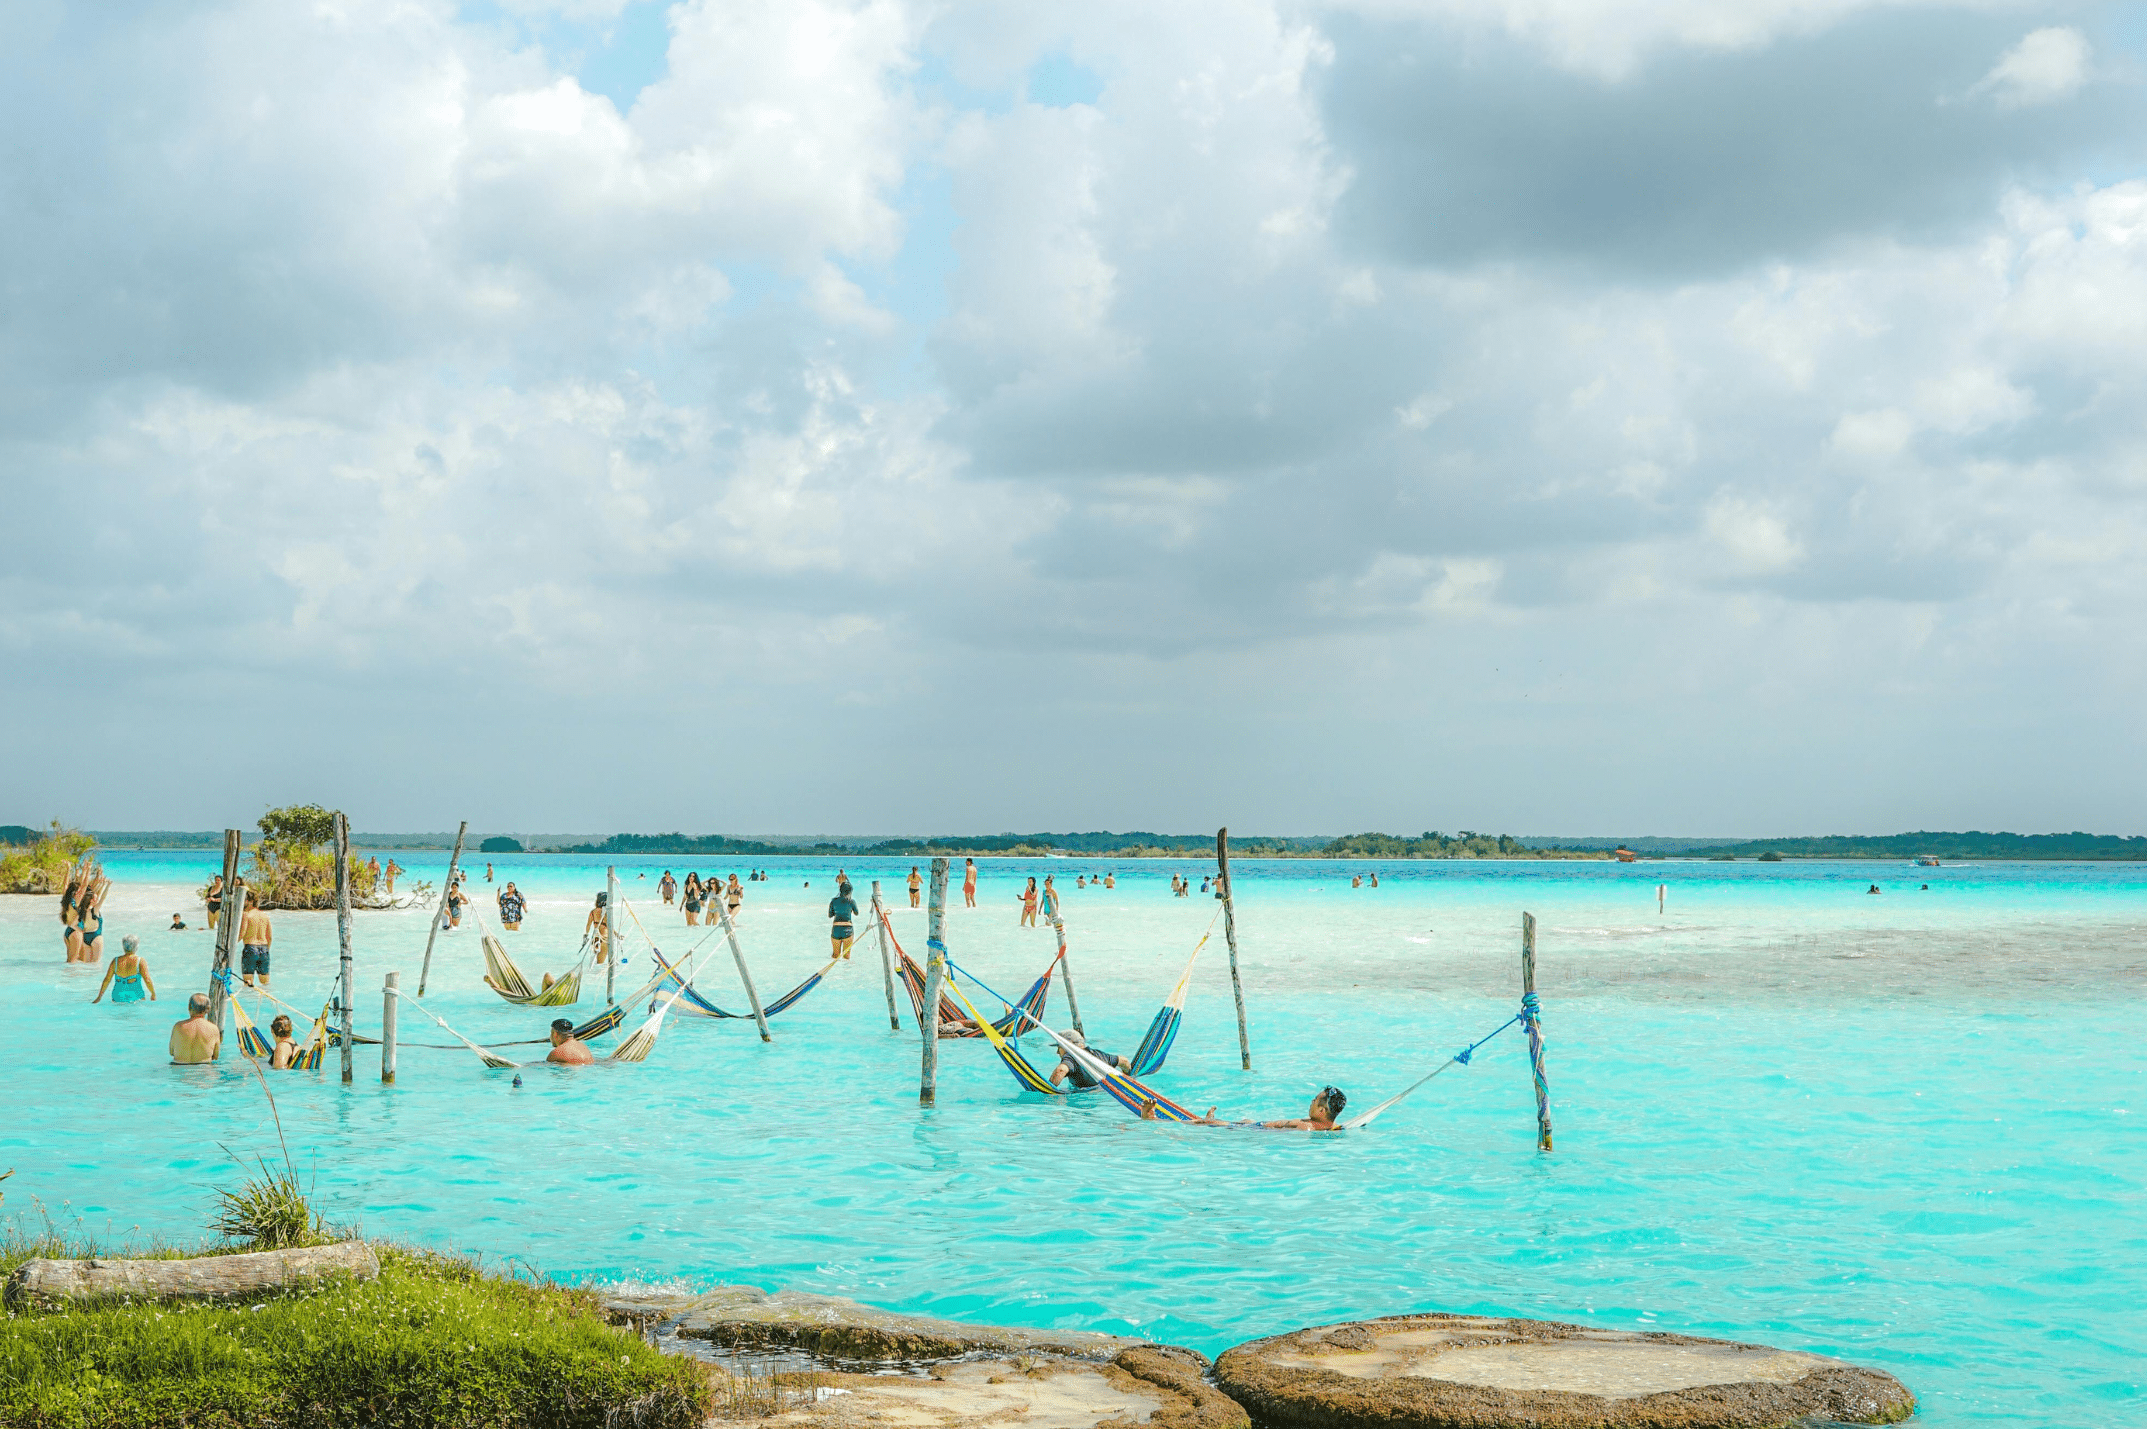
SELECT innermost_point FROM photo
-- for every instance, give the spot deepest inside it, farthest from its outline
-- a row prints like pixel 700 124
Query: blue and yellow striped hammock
pixel 1142 1100
pixel 953 1022
pixel 690 1003
pixel 254 1043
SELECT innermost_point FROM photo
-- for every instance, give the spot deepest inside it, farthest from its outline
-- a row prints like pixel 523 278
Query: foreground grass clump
pixel 434 1341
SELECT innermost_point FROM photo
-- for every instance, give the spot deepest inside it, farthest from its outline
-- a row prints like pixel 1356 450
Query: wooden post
pixel 1073 1004
pixel 1532 1018
pixel 730 932
pixel 454 861
pixel 387 1031
pixel 342 934
pixel 611 935
pixel 887 958
pixel 227 922
pixel 935 977
pixel 1230 936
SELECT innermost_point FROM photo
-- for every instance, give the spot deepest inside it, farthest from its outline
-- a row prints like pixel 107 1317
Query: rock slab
pixel 56 1284
pixel 1479 1372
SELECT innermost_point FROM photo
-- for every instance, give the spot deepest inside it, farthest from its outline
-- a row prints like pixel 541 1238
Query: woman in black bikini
pixel 691 894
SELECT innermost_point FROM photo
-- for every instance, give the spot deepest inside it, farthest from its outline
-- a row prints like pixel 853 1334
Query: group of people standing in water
pixel 696 895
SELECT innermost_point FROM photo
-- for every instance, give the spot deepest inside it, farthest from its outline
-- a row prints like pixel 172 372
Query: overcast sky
pixel 1580 416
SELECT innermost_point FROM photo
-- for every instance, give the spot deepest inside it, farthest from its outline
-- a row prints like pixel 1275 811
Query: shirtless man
pixel 255 935
pixel 195 1039
pixel 969 883
pixel 567 1049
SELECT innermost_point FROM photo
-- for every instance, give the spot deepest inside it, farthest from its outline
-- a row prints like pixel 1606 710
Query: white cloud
pixel 1753 534
pixel 2047 65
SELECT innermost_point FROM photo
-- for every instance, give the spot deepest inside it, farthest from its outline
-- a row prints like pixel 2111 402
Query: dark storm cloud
pixel 1472 149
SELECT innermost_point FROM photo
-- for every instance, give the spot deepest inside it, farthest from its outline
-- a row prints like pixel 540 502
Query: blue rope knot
pixel 1464 1054
pixel 1531 1010
pixel 223 976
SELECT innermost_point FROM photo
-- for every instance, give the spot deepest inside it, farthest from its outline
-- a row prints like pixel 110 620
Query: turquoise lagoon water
pixel 1899 1128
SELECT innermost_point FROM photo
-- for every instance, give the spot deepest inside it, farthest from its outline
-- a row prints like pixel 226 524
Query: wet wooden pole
pixel 935 977
pixel 227 922
pixel 887 958
pixel 1532 1018
pixel 387 1030
pixel 454 861
pixel 342 934
pixel 1230 936
pixel 730 933
pixel 1073 1004
pixel 611 933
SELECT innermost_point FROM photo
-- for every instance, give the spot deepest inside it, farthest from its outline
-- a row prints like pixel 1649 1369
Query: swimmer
pixel 213 897
pixel 1110 880
pixel 1872 889
pixel 195 1039
pixel 1326 1106
pixel 842 930
pixel 734 896
pixel 969 883
pixel 127 975
pixel 690 899
pixel 1028 905
pixel 567 1049
pixel 1051 899
pixel 668 888
pixel 178 924
pixel 916 885
pixel 255 936
pixel 488 870
pixel 286 1050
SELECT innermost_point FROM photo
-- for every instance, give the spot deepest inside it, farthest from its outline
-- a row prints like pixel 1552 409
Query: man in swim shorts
pixel 567 1049
pixel 195 1039
pixel 1068 1068
pixel 255 935
pixel 842 932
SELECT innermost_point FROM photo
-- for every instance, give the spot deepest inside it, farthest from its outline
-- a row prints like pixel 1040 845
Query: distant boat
pixel 1928 863
pixel 1624 854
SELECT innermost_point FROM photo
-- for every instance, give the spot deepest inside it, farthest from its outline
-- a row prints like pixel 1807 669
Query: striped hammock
pixel 504 978
pixel 953 1022
pixel 1164 1029
pixel 1142 1100
pixel 692 1004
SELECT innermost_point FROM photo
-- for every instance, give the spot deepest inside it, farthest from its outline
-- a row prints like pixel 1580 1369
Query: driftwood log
pixel 56 1284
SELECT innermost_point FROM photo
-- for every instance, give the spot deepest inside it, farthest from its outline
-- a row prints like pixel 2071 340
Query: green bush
pixel 433 1341
pixel 39 866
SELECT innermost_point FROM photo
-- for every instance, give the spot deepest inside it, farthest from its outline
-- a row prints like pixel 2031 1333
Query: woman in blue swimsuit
pixel 127 976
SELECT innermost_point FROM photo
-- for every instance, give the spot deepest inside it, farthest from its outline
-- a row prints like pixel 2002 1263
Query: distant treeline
pixel 1098 845
pixel 1943 845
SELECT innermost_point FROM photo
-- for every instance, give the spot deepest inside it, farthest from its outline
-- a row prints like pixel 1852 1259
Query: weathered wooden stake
pixel 1532 1018
pixel 730 932
pixel 454 861
pixel 342 934
pixel 887 958
pixel 611 933
pixel 226 930
pixel 1073 1004
pixel 935 977
pixel 1230 936
pixel 387 1030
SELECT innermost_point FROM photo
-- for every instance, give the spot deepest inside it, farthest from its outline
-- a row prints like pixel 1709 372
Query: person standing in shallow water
pixel 195 1039
pixel 511 907
pixel 1051 899
pixel 127 975
pixel 255 936
pixel 1028 905
pixel 596 928
pixel 916 886
pixel 969 883
pixel 668 888
pixel 842 924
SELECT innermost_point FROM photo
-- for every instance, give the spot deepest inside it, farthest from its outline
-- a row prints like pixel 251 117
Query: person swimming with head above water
pixel 1322 1115
pixel 127 975
pixel 568 1049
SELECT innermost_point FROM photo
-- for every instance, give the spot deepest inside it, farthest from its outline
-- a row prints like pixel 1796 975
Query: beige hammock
pixel 504 978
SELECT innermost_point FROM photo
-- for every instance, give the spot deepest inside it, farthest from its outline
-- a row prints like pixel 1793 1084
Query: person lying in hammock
pixel 568 1049
pixel 1068 1067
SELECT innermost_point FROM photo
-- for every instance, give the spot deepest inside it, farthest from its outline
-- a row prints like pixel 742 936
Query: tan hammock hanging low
pixel 504 978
